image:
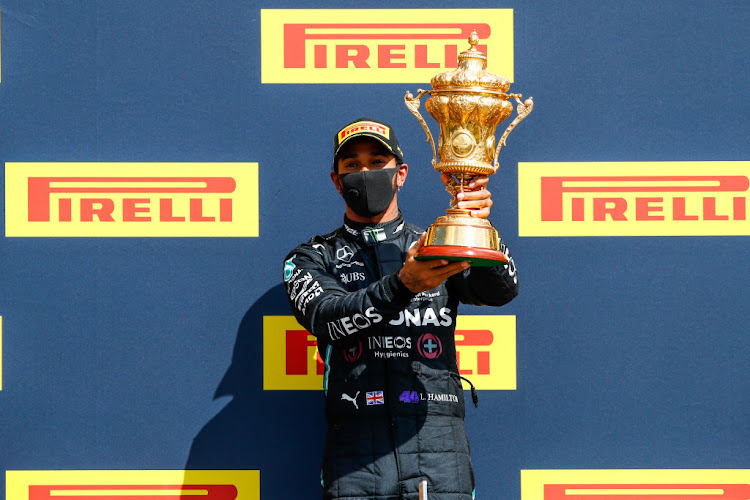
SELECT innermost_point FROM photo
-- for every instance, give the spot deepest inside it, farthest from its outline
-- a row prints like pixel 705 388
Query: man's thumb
pixel 419 244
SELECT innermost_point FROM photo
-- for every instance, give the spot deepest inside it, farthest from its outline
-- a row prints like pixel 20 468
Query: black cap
pixel 367 127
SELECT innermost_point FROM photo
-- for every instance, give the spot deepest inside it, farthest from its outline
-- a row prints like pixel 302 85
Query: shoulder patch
pixel 289 268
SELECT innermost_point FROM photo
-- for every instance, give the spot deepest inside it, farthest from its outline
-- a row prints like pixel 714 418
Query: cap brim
pixel 369 136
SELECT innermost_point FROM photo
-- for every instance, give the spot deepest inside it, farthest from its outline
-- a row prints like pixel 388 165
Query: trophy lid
pixel 471 74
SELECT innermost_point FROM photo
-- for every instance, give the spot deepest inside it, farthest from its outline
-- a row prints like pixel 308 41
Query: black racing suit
pixel 394 400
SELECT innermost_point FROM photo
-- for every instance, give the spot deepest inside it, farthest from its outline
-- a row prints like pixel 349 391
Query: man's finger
pixel 452 268
pixel 433 263
pixel 483 194
pixel 420 242
pixel 479 181
pixel 416 246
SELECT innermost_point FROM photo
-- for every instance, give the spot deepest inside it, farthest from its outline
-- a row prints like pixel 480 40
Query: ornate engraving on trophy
pixel 468 103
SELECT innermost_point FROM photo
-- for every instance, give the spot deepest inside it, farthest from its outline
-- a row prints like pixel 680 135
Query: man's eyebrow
pixel 346 155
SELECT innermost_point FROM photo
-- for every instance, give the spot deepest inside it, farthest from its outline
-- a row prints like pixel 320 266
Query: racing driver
pixel 384 324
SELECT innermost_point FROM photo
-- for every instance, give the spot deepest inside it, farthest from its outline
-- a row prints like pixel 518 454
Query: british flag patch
pixel 374 398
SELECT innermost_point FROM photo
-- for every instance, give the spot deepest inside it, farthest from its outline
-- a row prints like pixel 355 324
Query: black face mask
pixel 370 192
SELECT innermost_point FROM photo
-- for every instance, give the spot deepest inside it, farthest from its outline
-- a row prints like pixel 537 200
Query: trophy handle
pixel 413 104
pixel 523 110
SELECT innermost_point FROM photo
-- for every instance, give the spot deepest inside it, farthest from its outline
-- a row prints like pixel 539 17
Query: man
pixel 385 325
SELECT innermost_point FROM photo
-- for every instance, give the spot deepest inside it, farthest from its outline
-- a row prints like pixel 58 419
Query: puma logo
pixel 347 397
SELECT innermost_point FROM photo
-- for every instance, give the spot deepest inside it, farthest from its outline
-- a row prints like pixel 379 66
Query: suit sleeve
pixel 327 310
pixel 487 286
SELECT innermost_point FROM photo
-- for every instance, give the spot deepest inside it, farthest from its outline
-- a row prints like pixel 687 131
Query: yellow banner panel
pixel 636 484
pixel 378 45
pixel 129 484
pixel 131 199
pixel 687 198
pixel 485 347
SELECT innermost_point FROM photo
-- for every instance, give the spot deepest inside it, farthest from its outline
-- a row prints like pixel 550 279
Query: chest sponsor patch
pixel 374 398
pixel 344 253
pixel 351 399
pixel 353 353
pixel 386 346
pixel 351 277
pixel 429 346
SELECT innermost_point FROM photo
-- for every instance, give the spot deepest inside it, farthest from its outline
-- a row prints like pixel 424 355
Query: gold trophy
pixel 468 103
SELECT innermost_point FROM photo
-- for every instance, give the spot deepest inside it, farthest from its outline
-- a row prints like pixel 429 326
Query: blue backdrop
pixel 146 353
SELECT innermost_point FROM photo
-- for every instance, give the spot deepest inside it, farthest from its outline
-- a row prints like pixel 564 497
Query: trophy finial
pixel 473 39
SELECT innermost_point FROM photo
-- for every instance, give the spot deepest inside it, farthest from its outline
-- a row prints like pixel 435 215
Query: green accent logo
pixel 289 268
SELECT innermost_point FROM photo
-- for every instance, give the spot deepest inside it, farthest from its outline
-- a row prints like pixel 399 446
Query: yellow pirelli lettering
pixel 486 350
pixel 636 484
pixel 290 356
pixel 145 484
pixel 485 345
pixel 376 128
pixel 634 199
pixel 131 199
pixel 378 45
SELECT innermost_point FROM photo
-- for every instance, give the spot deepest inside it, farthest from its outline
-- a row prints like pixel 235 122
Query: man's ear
pixel 336 181
pixel 403 170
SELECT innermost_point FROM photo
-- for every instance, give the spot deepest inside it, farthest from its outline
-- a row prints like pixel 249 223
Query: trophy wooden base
pixel 457 236
pixel 480 257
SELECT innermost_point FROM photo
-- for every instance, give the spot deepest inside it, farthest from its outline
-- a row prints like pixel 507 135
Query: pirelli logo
pixel 378 45
pixel 485 350
pixel 633 199
pixel 132 484
pixel 653 484
pixel 131 199
pixel 375 128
